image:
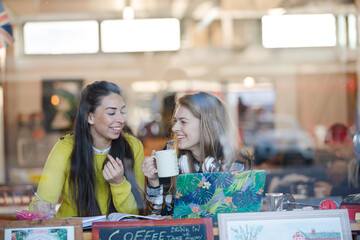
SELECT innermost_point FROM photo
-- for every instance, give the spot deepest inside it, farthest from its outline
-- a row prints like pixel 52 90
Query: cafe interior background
pixel 286 68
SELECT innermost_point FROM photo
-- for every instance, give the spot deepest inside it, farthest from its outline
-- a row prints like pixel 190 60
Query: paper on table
pixel 115 216
pixel 87 221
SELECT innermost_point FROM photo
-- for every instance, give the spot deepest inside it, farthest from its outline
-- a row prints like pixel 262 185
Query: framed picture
pixel 327 224
pixel 59 101
pixel 57 229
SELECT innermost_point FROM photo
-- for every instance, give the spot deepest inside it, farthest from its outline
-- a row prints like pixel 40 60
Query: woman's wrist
pixel 153 182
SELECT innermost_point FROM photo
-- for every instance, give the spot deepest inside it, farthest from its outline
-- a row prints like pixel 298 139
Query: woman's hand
pixel 150 171
pixel 114 171
pixel 53 211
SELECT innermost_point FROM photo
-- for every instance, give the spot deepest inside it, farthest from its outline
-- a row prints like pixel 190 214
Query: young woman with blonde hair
pixel 206 141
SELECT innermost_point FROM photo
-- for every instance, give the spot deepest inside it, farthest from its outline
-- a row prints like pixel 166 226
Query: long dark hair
pixel 82 173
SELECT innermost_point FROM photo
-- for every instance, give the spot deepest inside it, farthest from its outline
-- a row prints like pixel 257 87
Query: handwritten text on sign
pixel 185 232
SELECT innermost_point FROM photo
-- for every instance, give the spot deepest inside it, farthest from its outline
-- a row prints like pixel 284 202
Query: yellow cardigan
pixel 54 181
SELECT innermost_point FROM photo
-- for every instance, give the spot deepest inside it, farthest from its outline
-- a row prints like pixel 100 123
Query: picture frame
pixel 196 228
pixel 335 224
pixel 62 229
pixel 59 100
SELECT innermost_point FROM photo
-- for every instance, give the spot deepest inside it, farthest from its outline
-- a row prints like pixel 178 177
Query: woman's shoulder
pixel 64 145
pixel 133 141
pixel 67 139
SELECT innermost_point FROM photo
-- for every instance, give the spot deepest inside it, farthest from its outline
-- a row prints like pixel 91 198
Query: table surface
pixel 87 234
pixel 355 227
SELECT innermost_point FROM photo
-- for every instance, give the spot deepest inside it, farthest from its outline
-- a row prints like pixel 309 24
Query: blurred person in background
pixel 205 140
pixel 343 172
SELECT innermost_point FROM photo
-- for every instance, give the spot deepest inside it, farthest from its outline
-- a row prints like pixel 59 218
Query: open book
pixel 115 216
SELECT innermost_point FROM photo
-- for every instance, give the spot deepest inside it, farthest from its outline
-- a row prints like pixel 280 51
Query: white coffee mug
pixel 167 163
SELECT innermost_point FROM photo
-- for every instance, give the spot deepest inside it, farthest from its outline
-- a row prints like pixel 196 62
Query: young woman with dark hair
pixel 97 169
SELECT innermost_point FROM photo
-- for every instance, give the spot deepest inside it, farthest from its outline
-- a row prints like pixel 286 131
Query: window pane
pixel 140 35
pixel 309 30
pixel 61 37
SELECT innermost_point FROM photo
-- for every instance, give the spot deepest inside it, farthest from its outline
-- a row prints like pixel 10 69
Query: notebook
pixel 115 216
pixel 200 195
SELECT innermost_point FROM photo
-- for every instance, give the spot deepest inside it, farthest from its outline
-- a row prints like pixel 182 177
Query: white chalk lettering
pixel 131 236
pixel 138 234
pixel 178 229
pixel 149 235
pixel 193 237
pixel 114 233
pixel 162 237
pixel 196 228
pixel 155 236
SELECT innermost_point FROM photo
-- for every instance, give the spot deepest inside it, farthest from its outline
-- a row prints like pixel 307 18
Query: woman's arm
pixel 157 202
pixel 124 200
pixel 54 173
pixel 139 157
pixel 154 199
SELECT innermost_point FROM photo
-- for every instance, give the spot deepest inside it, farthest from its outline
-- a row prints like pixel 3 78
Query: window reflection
pixel 61 37
pixel 283 116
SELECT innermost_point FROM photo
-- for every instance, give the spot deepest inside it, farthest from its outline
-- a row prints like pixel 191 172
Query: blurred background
pixel 286 68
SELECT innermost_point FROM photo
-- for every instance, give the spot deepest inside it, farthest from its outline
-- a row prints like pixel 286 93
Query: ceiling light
pixel 140 35
pixel 249 82
pixel 148 86
pixel 298 30
pixel 128 13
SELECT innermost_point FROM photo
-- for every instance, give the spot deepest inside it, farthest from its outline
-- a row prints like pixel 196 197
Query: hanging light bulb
pixel 249 82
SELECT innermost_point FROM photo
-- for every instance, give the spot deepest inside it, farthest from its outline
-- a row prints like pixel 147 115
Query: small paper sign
pixel 60 229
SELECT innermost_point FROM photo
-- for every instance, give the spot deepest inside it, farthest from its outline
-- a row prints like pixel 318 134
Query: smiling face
pixel 187 130
pixel 107 121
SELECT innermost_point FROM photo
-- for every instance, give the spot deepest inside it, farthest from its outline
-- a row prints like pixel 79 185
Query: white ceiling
pixel 247 57
pixel 23 10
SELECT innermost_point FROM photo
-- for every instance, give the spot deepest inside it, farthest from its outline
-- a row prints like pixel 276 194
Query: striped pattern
pixel 6 37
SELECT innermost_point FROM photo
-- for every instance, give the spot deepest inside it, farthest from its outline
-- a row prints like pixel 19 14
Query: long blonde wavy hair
pixel 218 137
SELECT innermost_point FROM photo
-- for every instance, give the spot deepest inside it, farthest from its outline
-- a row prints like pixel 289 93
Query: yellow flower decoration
pixel 260 191
pixel 228 199
pixel 207 185
pixel 178 195
pixel 195 209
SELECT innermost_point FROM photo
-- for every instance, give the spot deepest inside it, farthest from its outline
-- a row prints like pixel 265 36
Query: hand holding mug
pixel 150 171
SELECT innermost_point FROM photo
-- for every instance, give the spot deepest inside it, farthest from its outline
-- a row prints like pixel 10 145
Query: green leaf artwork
pixel 207 194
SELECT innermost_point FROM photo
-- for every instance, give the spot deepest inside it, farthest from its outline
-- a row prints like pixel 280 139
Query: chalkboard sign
pixel 169 229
